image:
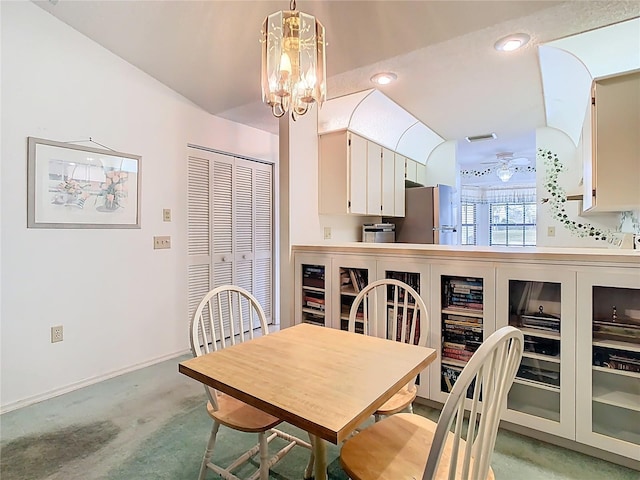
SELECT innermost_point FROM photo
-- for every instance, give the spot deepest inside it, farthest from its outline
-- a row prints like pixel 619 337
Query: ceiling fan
pixel 505 165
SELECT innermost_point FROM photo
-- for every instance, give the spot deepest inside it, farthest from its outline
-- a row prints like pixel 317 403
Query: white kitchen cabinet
pixel 421 174
pixel 389 184
pixel 608 360
pixel 612 161
pixel 357 176
pixel 398 203
pixel 540 301
pixel 374 179
pixel 342 173
pixel 411 170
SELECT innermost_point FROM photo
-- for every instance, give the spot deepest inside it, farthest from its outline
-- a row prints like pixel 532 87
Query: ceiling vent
pixel 480 138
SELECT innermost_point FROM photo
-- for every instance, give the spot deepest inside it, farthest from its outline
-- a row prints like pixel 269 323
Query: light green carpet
pixel 152 424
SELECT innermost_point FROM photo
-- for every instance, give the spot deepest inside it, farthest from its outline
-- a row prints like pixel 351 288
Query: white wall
pixel 569 179
pixel 442 167
pixel 121 303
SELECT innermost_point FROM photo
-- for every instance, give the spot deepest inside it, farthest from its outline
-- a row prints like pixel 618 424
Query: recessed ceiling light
pixel 512 42
pixel 384 78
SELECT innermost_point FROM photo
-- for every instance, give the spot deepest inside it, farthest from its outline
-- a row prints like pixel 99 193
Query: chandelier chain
pixel 292 5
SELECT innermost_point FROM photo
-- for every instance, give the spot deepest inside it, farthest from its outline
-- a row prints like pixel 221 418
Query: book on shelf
pixel 623 360
pixel 462 318
pixel 475 307
pixel 354 280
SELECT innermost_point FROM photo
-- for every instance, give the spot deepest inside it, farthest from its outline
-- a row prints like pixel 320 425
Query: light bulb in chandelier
pixel 293 62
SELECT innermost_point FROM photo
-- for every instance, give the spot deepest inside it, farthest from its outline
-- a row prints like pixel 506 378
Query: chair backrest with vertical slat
pixel 227 315
pixel 392 305
pixel 490 374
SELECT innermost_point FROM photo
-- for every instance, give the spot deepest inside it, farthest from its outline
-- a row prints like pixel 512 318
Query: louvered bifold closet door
pixel 263 246
pixel 198 227
pixel 222 223
pixel 244 217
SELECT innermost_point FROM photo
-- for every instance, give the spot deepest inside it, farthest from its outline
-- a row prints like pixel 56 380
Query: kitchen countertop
pixel 558 255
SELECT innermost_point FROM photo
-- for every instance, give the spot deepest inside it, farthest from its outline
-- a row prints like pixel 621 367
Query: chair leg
pixel 410 407
pixel 377 417
pixel 264 456
pixel 209 451
pixel 308 471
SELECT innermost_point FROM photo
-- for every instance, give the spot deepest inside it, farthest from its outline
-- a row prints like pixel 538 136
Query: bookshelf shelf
pixel 614 371
pixel 312 289
pixel 617 344
pixel 534 384
pixel 465 312
pixel 628 400
pixel 532 332
pixel 544 358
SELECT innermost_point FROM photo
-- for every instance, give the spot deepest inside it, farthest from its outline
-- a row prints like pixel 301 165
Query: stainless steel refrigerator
pixel 430 216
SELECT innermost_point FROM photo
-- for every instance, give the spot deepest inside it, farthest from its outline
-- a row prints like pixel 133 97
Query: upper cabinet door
pixel 421 175
pixel 411 170
pixel 399 165
pixel 357 174
pixel 374 179
pixel 388 183
pixel 616 154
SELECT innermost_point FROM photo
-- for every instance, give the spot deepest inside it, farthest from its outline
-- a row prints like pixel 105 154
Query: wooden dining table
pixel 322 380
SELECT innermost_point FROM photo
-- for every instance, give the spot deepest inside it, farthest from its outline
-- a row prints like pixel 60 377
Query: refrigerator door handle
pixel 445 228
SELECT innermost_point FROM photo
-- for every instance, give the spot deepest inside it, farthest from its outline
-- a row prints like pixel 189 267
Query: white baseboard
pixel 85 383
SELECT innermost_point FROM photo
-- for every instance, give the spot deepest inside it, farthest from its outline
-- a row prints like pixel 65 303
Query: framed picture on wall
pixel 71 186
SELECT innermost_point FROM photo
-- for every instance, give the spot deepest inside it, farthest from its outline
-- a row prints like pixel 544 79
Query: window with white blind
pixel 468 223
pixel 512 224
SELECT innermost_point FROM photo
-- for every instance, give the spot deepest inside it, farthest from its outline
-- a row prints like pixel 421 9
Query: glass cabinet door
pixel 540 303
pixel 609 340
pixel 312 287
pixel 351 275
pixel 415 275
pixel 464 312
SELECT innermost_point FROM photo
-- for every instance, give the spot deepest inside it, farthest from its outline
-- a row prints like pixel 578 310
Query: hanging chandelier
pixel 504 171
pixel 293 62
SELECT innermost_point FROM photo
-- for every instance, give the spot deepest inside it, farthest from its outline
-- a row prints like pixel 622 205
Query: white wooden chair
pixel 226 316
pixel 392 309
pixel 396 447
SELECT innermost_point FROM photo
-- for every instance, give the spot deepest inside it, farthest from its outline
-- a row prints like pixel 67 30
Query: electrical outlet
pixel 551 231
pixel 56 334
pixel 166 214
pixel 161 242
pixel 327 233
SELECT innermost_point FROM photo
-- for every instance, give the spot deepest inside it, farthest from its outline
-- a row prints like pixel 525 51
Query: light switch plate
pixel 161 242
pixel 327 233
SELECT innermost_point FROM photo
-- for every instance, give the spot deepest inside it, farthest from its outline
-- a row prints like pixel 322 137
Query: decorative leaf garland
pixel 471 173
pixel 558 199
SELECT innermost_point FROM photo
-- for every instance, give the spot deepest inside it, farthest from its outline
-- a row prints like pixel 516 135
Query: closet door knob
pixel 224 259
pixel 244 257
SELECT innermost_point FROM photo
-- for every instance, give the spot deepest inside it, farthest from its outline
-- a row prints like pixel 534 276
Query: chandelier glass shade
pixel 293 62
pixel 504 171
